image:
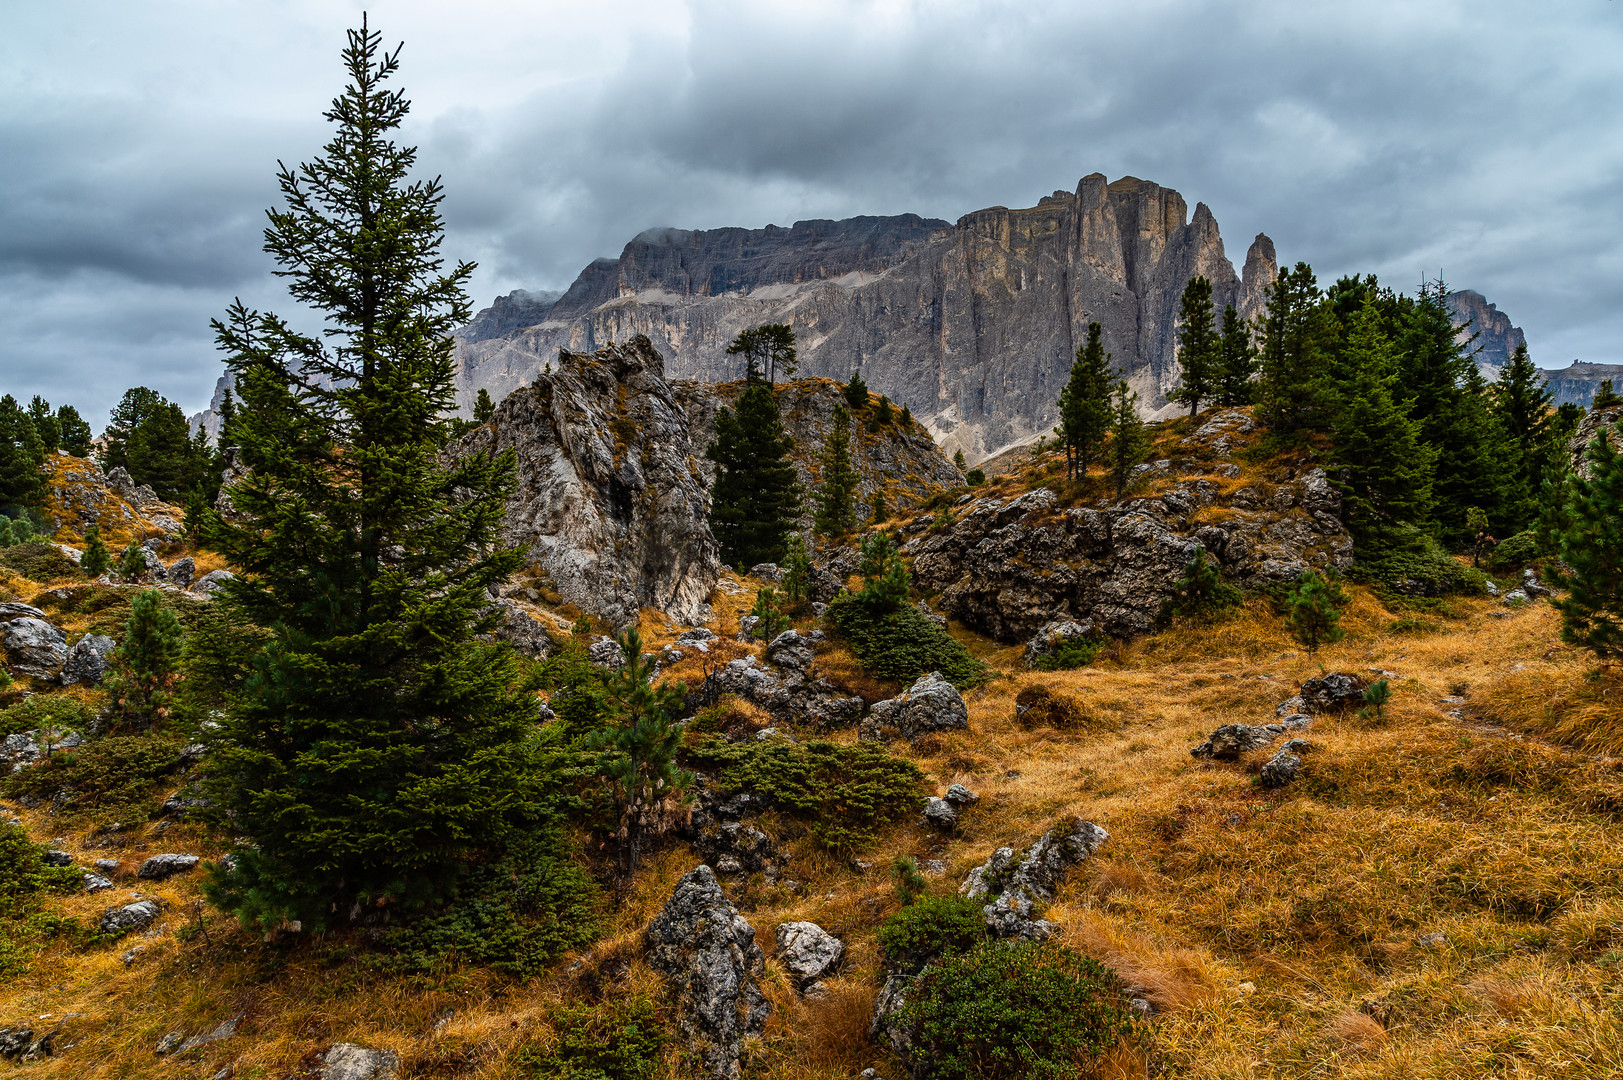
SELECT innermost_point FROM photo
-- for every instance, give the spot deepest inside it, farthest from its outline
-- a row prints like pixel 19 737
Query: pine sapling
pixel 1315 611
pixel 910 884
pixel 772 619
pixel 145 664
pixel 132 563
pixel 96 558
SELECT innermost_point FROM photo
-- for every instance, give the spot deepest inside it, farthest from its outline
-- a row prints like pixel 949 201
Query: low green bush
pixel 58 712
pixel 38 562
pixel 1410 563
pixel 902 643
pixel 847 791
pixel 617 1040
pixel 1516 551
pixel 24 878
pixel 926 929
pixel 110 779
pixel 1014 1012
pixel 1071 653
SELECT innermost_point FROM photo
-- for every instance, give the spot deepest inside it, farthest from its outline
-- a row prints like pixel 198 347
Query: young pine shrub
pixel 1314 611
pixel 910 884
pixel 768 609
pixel 930 928
pixel 145 666
pixel 1202 588
pixel 132 562
pixel 96 558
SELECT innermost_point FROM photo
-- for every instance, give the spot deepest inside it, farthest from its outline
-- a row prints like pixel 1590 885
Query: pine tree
pixel 856 392
pixel 879 509
pixel 1521 405
pixel 1295 343
pixel 1314 608
pixel 380 749
pixel 1199 347
pixel 797 570
pixel 141 683
pixel 75 430
pixel 1605 396
pixel 756 499
pixel 765 350
pixel 1236 361
pixel 836 496
pixel 160 452
pixel 22 457
pixel 96 558
pixel 1590 547
pixel 1384 470
pixel 1128 443
pixel 46 424
pixel 958 460
pixel 483 407
pixel 881 415
pixel 1084 404
pixel 132 562
pixel 137 404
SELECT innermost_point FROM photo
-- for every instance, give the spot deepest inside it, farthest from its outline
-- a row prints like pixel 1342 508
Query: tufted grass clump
pixel 931 928
pixel 1028 1011
pixel 848 792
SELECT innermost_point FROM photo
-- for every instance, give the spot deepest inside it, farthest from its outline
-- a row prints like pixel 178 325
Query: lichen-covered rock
pixel 162 866
pixel 940 814
pixel 212 582
pixel 960 796
pixel 611 503
pixel 1054 635
pixel 129 917
pixel 1021 884
pixel 1231 740
pixel 1332 692
pixel 34 647
pixel 347 1061
pixel 1281 769
pixel 526 634
pixel 745 847
pixel 86 662
pixel 606 653
pixel 807 951
pixel 707 953
pixel 1012 567
pixel 931 704
pixel 181 572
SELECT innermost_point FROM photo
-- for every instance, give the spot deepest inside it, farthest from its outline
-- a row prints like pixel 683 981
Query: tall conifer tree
pixel 836 495
pixel 755 500
pixel 1590 546
pixel 379 749
pixel 1236 361
pixel 1295 342
pixel 1128 443
pixel 1521 404
pixel 22 484
pixel 1199 346
pixel 1084 404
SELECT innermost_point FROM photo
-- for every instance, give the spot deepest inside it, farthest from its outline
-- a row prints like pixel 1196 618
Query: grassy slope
pixel 1277 934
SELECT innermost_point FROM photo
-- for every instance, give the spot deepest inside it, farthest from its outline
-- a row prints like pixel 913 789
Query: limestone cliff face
pixel 611 503
pixel 1578 383
pixel 1496 338
pixel 973 325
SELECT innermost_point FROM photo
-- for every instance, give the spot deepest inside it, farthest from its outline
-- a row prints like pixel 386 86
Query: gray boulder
pixel 807 951
pixel 162 866
pixel 1021 884
pixel 930 704
pixel 606 653
pixel 129 917
pixel 743 848
pixel 886 1025
pixel 212 582
pixel 768 572
pixel 57 857
pixel 1281 769
pixel 707 953
pixel 87 661
pixel 1531 584
pixel 35 647
pixel 13 610
pixel 1332 692
pixel 346 1061
pixel 527 636
pixel 1053 635
pixel 960 796
pixel 181 572
pixel 95 882
pixel 939 813
pixel 1231 740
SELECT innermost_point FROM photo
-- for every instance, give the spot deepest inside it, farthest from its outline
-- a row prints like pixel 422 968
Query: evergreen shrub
pixel 1014 1012
pixel 848 792
pixel 38 562
pixel 975 477
pixel 902 643
pixel 24 876
pixel 58 712
pixel 1072 653
pixel 927 929
pixel 117 778
pixel 617 1040
pixel 1516 551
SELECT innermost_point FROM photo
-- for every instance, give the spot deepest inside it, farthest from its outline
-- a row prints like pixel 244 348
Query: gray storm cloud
pixel 138 149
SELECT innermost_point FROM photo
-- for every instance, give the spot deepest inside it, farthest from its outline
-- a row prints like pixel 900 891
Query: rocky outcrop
pixel 34 647
pixel 80 495
pixel 1578 383
pixel 347 1061
pixel 707 953
pixel 1019 885
pixel 611 503
pixel 807 951
pixel 1495 338
pixel 1008 567
pixel 1610 418
pixel 87 661
pixel 973 325
pixel 930 705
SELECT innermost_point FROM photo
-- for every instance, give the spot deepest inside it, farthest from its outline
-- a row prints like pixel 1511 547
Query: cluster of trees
pixel 1423 445
pixel 27 435
pixel 1098 416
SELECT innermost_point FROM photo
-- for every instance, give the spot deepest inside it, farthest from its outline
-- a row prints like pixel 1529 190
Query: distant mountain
pixel 1577 384
pixel 973 325
pixel 1496 338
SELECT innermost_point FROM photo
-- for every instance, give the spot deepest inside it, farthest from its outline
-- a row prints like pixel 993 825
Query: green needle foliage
pixel 1084 405
pixel 836 496
pixel 1295 342
pixel 773 620
pixel 1236 361
pixel 640 747
pixel 145 666
pixel 765 350
pixel 856 392
pixel 483 407
pixel 379 750
pixel 1314 611
pixel 22 453
pixel 910 883
pixel 1199 347
pixel 132 562
pixel 1591 548
pixel 1376 696
pixel 1202 588
pixel 797 569
pixel 755 501
pixel 1128 443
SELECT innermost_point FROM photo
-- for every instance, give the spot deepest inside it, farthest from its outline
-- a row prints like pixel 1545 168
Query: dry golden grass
pixel 1435 897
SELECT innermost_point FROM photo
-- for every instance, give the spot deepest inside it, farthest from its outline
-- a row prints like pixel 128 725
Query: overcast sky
pixel 138 143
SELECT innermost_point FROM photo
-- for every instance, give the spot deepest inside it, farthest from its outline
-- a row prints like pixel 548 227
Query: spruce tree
pixel 1521 405
pixel 836 496
pixel 1296 335
pixel 22 457
pixel 958 460
pixel 483 407
pixel 379 750
pixel 141 683
pixel 1128 443
pixel 1384 470
pixel 755 500
pixel 46 424
pixel 96 558
pixel 1590 548
pixel 1084 404
pixel 856 392
pixel 132 411
pixel 1199 347
pixel 75 430
pixel 1236 361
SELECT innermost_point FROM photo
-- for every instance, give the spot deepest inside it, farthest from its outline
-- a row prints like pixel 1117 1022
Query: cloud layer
pixel 138 146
